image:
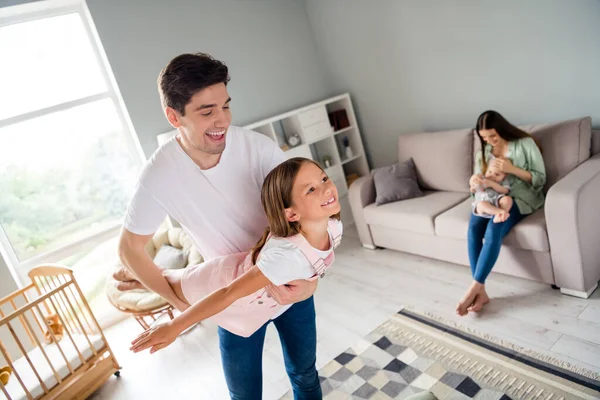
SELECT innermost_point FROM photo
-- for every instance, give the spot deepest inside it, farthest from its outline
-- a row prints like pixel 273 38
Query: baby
pixel 491 196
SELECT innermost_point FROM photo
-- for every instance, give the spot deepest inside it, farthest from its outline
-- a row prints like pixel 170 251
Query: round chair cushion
pixel 136 300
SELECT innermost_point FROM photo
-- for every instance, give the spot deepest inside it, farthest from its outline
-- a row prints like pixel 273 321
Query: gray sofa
pixel 559 244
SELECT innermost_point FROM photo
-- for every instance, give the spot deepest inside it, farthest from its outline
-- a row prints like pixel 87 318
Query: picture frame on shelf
pixel 339 119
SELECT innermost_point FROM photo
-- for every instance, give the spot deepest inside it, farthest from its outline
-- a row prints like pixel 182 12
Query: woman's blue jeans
pixel 485 239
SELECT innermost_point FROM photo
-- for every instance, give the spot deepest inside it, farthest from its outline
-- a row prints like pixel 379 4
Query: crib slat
pixel 83 361
pixel 20 345
pixel 10 364
pixel 105 342
pixel 39 292
pixel 12 302
pixel 56 341
pixel 77 311
pixel 82 328
pixel 4 390
pixel 36 318
pixel 42 298
pixel 63 308
pixel 15 294
pixel 60 317
pixel 79 302
pixel 39 344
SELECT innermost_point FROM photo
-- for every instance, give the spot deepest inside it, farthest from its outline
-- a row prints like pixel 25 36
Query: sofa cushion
pixel 396 182
pixel 415 215
pixel 529 234
pixel 565 145
pixel 169 257
pixel 444 160
pixel 595 142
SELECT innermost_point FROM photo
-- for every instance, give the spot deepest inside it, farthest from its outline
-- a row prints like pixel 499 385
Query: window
pixel 68 159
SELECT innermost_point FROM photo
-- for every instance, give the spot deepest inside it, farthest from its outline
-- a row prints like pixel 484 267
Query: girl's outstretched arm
pixel 161 336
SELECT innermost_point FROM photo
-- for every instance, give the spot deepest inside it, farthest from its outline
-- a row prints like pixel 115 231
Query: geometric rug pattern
pixel 385 370
pixel 409 354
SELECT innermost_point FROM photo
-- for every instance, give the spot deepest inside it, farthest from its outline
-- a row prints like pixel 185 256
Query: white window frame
pixel 52 8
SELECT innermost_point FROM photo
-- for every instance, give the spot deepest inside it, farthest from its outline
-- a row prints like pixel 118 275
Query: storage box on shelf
pixel 309 132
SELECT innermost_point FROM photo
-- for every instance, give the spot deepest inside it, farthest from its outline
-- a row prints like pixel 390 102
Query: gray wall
pixel 7 283
pixel 267 44
pixel 9 3
pixel 414 66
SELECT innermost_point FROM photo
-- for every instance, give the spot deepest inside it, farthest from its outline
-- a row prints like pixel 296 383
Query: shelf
pixel 343 130
pixel 345 161
pixel 309 142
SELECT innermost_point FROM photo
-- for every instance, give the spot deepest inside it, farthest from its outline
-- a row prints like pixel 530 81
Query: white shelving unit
pixel 318 140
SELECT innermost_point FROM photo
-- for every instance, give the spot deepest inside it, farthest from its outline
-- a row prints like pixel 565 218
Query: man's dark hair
pixel 186 75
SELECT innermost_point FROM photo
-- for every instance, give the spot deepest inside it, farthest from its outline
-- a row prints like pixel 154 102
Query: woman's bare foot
pixel 173 278
pixel 480 300
pixel 501 216
pixel 469 298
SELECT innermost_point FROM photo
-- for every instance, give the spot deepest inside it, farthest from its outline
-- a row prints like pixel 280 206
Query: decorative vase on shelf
pixel 349 153
pixel 347 149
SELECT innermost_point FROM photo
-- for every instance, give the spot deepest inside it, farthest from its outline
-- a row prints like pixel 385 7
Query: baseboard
pixel 577 293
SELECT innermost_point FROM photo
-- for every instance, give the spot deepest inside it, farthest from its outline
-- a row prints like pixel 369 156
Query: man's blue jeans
pixel 242 357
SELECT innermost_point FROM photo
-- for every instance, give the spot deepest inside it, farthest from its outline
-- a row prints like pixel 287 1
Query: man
pixel 209 178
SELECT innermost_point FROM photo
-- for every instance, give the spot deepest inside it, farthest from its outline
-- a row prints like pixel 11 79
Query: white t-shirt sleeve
pixel 277 157
pixel 282 263
pixel 144 215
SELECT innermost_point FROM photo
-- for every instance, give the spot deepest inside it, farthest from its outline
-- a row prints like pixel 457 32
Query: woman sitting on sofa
pixel 514 152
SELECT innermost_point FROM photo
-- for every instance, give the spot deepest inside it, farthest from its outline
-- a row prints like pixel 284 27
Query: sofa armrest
pixel 360 195
pixel 573 221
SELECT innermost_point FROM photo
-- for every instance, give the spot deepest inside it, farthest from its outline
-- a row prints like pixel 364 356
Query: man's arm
pixel 134 257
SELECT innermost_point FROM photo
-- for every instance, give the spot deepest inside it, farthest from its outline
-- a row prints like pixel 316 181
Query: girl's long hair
pixel 507 131
pixel 276 196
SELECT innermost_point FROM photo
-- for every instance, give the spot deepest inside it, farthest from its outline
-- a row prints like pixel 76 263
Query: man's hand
pixel 293 292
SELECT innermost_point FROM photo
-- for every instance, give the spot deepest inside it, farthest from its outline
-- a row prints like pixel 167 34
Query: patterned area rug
pixel 409 354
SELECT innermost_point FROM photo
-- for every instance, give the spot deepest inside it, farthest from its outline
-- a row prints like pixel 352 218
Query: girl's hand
pixel 487 183
pixel 502 164
pixel 155 338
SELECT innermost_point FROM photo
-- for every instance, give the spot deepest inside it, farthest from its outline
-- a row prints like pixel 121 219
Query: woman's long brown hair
pixel 276 196
pixel 507 131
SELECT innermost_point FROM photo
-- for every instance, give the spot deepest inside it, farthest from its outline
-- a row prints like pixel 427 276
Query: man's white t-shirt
pixel 220 207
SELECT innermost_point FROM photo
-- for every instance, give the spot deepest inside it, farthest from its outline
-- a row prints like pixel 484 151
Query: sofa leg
pixel 554 287
pixel 577 293
pixel 369 246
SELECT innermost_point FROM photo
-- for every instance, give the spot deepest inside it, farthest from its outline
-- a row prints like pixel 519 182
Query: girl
pixel 302 209
pixel 501 142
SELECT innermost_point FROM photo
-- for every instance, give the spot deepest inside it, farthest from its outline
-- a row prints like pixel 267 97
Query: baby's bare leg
pixel 505 203
pixel 500 215
pixel 173 277
pixel 484 207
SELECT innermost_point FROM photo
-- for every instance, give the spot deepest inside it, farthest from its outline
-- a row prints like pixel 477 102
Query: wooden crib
pixel 44 365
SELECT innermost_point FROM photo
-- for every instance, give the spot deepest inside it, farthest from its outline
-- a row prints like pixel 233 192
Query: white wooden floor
pixel 362 290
